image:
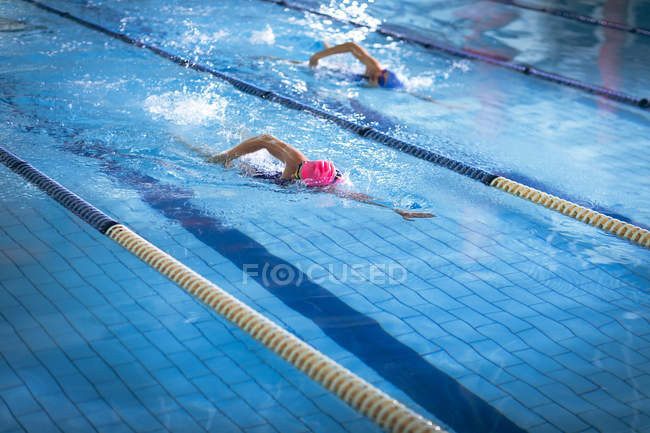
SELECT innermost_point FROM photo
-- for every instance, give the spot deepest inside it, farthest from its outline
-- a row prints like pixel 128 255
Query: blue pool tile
pixel 77 425
pixel 19 400
pixel 566 397
pixel 58 406
pixel 138 418
pixel 426 327
pixel 623 353
pixel 98 412
pixel 241 413
pixel 57 362
pixel 8 378
pixel 55 323
pixel 118 271
pixel 446 363
pixel 8 424
pixel 538 340
pixel 156 399
pixel 73 345
pixel 37 339
pixel 78 388
pixel 179 327
pixel 135 287
pixel 479 304
pixel 520 414
pixel 321 423
pixel 95 369
pixel 227 370
pixel 202 348
pixel 18 286
pixel 107 314
pixel 497 332
pixel 615 386
pixel 578 383
pixel 577 364
pixel 516 308
pixel 116 394
pixel 134 375
pixel 462 330
pixel 254 394
pixel 282 420
pixel 68 279
pixel 39 381
pixel 214 389
pixel 189 364
pixel 16 353
pixel 88 296
pixel 37 274
pixel 164 341
pixel 296 402
pixel 151 358
pixel 559 416
pixel 102 283
pixel 418 343
pixel 495 353
pixel 53 262
pixel 541 362
pixel 335 407
pixel 198 406
pixel 112 351
pixel 179 421
pixel 620 369
pixel 482 387
pixel 38 422
pixel 637 422
pixel 514 324
pixel 174 381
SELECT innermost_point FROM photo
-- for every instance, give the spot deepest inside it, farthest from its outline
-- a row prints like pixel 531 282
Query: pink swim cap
pixel 319 173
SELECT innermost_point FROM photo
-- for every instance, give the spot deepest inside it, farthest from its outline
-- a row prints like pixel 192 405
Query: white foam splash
pixel 265 36
pixel 187 108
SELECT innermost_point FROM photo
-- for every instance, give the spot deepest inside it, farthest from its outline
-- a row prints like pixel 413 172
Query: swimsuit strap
pixel 296 175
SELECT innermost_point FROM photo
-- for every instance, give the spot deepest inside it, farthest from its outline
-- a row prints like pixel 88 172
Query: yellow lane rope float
pixel 612 225
pixel 376 405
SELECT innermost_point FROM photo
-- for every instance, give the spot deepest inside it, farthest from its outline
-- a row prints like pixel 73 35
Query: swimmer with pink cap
pixel 316 174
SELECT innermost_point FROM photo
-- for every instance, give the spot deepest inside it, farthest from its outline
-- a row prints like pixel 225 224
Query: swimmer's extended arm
pixel 364 198
pixel 276 147
pixel 373 68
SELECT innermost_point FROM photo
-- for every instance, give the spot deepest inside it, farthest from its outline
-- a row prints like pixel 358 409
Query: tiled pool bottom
pixel 92 339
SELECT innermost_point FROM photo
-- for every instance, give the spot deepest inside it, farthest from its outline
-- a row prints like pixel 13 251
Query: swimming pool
pixel 541 319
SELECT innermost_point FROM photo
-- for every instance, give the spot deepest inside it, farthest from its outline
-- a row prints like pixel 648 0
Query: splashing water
pixel 187 108
pixel 261 37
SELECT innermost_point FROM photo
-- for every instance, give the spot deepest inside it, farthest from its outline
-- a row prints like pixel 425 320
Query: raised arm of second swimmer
pixel 373 68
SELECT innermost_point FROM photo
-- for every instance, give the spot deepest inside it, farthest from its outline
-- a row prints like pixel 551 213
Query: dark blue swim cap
pixel 389 80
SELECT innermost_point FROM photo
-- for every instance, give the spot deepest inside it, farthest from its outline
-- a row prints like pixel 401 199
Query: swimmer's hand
pixel 222 158
pixel 408 215
pixel 313 61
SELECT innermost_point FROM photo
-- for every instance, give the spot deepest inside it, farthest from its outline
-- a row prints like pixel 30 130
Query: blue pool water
pixel 497 311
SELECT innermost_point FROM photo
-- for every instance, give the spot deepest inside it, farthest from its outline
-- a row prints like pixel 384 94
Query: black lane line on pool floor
pixel 363 336
pixel 401 34
pixel 363 131
pixel 576 17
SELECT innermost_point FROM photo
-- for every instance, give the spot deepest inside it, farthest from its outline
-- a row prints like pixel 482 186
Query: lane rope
pixel 576 17
pixel 377 406
pixel 364 131
pixel 611 225
pixel 642 102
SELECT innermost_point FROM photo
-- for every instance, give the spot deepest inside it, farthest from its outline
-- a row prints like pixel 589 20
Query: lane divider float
pixel 364 131
pixel 377 406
